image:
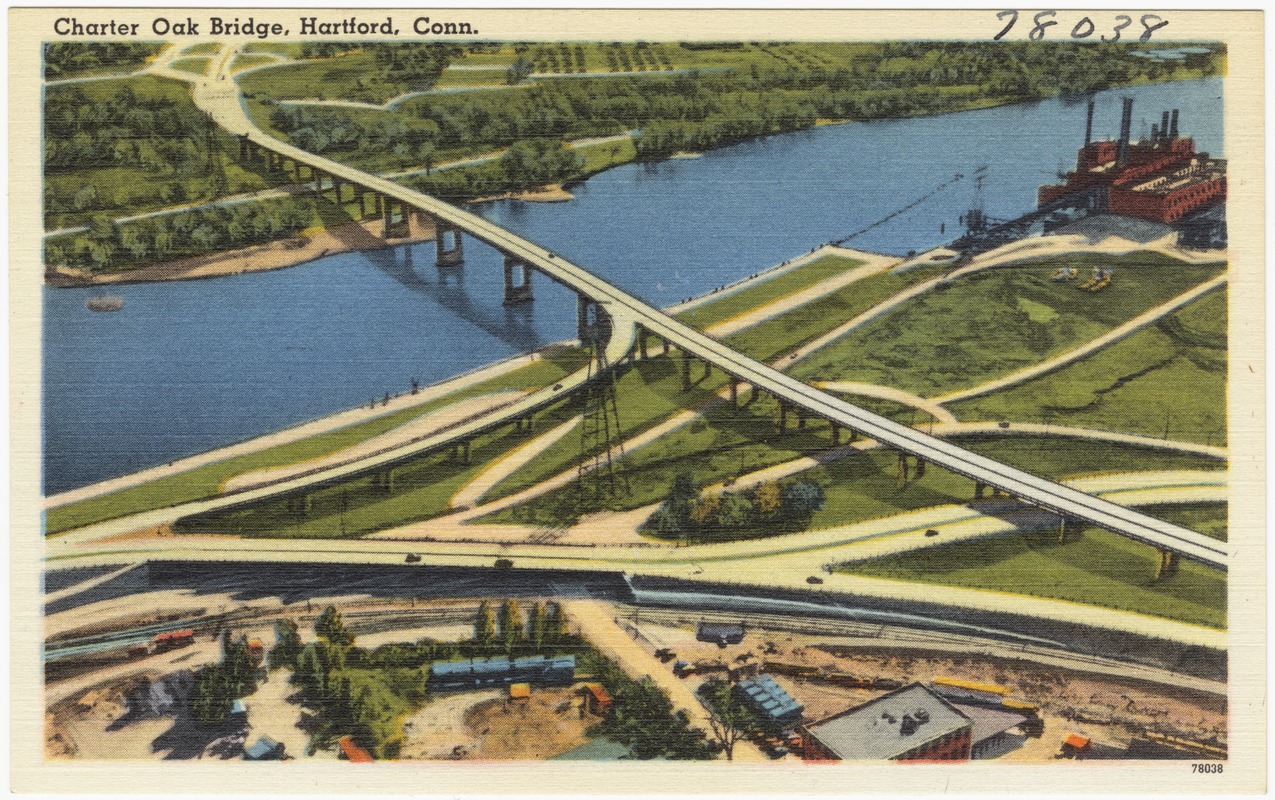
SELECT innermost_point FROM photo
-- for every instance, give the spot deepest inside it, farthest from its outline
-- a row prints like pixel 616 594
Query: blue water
pixel 189 366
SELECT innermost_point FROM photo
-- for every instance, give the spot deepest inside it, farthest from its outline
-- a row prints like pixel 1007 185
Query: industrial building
pixel 483 673
pixel 910 724
pixel 770 702
pixel 1161 178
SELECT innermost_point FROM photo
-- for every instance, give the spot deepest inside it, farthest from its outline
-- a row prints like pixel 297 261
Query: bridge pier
pixel 452 255
pixel 734 391
pixel 299 505
pixel 1167 565
pixel 801 418
pixel 920 468
pixel 641 344
pixel 979 488
pixel 686 371
pixel 1068 529
pixel 394 226
pixel 460 451
pixel 782 423
pixel 517 281
pixel 592 324
pixel 903 469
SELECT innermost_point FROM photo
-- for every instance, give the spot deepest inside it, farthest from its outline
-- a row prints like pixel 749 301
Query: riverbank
pixel 281 254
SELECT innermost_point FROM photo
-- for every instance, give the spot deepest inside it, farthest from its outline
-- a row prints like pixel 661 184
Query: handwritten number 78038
pixel 1083 28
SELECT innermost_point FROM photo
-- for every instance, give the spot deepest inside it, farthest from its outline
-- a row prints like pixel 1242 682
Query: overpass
pixel 606 306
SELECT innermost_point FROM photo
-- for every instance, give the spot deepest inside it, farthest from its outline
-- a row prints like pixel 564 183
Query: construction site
pixel 797 688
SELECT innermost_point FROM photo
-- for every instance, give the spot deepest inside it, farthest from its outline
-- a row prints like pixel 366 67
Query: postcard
pixel 609 401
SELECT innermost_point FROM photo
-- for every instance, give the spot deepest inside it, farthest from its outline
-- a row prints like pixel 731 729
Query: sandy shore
pixel 553 193
pixel 258 258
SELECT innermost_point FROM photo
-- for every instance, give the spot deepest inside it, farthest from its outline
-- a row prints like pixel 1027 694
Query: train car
pixel 964 691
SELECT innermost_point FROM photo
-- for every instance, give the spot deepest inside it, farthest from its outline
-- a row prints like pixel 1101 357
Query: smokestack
pixel 1155 132
pixel 1089 124
pixel 1173 125
pixel 1126 121
pixel 1164 125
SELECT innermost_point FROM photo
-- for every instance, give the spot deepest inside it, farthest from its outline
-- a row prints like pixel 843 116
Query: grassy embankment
pixel 195 66
pixel 992 323
pixel 1167 380
pixel 206 481
pixel 1095 568
pixel 243 62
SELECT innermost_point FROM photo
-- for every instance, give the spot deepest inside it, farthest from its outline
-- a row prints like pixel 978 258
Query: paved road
pixel 222 100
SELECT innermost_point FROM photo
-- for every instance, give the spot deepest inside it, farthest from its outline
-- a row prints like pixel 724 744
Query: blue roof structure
pixel 770 699
pixel 479 672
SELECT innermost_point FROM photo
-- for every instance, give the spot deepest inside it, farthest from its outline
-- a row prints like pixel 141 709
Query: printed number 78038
pixel 1213 767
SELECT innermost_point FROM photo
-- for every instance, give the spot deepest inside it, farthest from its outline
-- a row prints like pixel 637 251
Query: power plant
pixel 1161 178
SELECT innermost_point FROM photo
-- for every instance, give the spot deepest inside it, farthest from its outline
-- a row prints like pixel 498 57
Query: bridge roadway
pixel 220 97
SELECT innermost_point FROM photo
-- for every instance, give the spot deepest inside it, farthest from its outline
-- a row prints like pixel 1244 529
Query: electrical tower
pixel 600 444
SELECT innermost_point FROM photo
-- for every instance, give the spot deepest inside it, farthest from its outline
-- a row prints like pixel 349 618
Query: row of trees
pixel 66 59
pixel 507 630
pixel 125 129
pixel 110 246
pixel 701 110
pixel 769 507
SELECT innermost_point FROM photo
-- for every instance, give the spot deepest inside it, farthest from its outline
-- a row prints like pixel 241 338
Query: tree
pixel 484 624
pixel 536 627
pixel 510 620
pixel 802 499
pixel 767 499
pixel 729 720
pixel 330 627
pixel 287 645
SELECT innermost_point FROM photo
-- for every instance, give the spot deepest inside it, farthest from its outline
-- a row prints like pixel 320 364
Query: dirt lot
pixel 486 726
pixel 1104 708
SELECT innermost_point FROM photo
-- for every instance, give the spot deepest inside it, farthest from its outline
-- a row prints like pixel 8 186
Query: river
pixel 188 366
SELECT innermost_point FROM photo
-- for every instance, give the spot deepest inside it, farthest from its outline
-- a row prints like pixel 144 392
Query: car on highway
pixel 814 579
pixel 931 532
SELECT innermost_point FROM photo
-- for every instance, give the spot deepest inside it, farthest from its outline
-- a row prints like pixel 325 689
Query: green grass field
pixel 754 296
pixel 866 486
pixel 997 321
pixel 1096 568
pixel 1207 518
pixel 243 62
pixel 195 66
pixel 1167 380
pixel 783 333
pixel 206 481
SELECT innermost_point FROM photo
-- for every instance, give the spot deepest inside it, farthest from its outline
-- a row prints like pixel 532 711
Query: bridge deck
pixel 222 100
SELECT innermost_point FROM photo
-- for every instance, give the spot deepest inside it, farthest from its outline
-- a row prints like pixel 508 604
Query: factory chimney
pixel 1173 125
pixel 1164 125
pixel 1126 121
pixel 1089 124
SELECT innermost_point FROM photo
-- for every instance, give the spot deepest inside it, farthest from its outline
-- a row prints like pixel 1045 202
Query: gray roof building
pixel 910 723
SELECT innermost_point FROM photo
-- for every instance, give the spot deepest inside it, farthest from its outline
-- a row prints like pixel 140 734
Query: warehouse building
pixel 769 700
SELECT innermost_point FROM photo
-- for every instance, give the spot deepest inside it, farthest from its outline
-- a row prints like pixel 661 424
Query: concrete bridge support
pixel 734 391
pixel 686 371
pixel 1068 529
pixel 395 223
pixel 460 451
pixel 517 281
pixel 979 488
pixel 782 423
pixel 383 482
pixel 451 252
pixel 1167 565
pixel 903 469
pixel 641 344
pixel 592 324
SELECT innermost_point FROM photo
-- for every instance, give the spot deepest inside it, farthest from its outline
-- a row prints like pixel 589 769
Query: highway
pixel 220 97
